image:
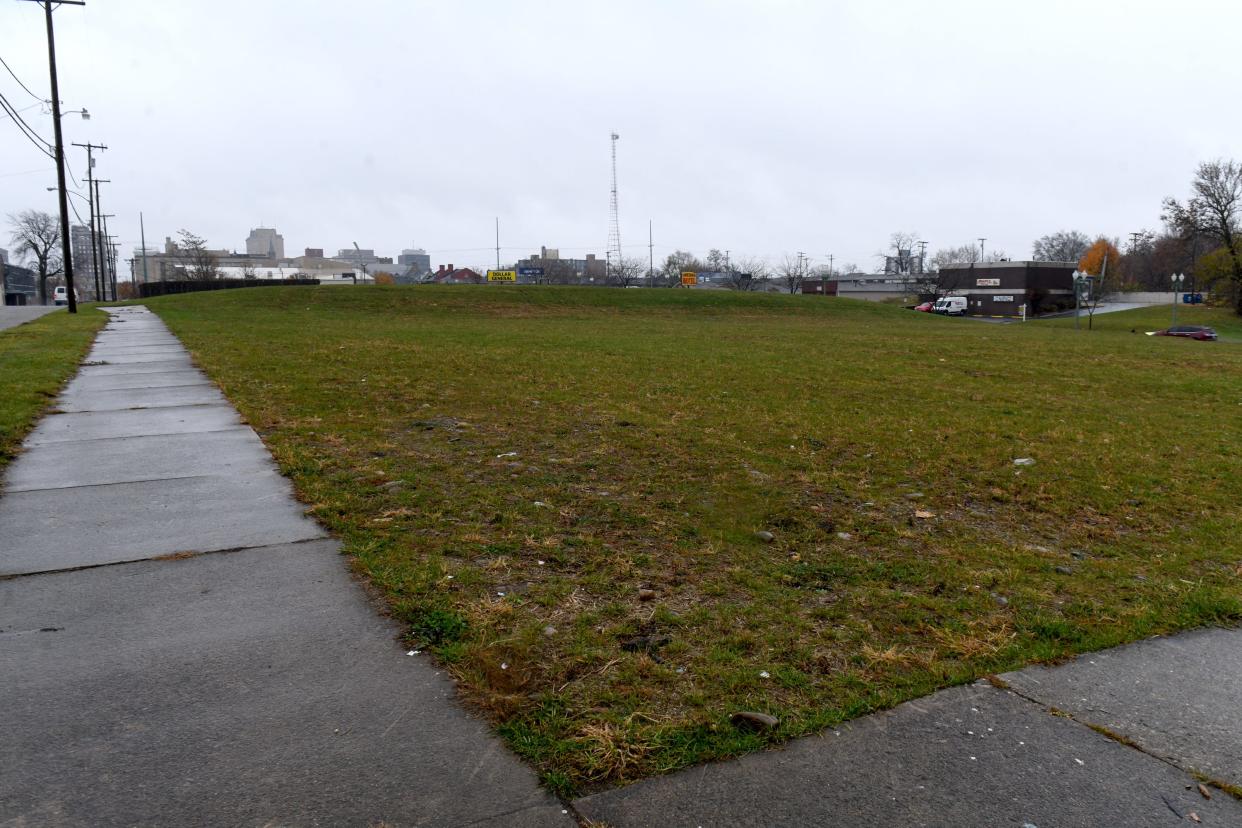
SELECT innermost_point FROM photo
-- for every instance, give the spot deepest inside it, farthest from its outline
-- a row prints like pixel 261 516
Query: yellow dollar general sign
pixel 689 277
pixel 502 275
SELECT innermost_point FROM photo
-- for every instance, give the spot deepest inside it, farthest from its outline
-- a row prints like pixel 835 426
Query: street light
pixel 1080 280
pixel 70 192
pixel 86 116
pixel 1178 279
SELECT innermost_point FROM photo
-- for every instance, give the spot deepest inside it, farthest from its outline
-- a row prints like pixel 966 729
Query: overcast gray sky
pixel 763 127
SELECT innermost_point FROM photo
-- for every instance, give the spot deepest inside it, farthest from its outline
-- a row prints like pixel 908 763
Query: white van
pixel 950 306
pixel 60 296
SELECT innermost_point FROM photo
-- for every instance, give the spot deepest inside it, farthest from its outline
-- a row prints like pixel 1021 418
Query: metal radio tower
pixel 614 221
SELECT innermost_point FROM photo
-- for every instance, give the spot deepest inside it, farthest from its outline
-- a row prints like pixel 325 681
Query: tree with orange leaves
pixel 1093 260
pixel 1100 259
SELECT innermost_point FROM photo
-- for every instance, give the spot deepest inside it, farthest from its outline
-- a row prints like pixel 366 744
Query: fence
pixel 148 289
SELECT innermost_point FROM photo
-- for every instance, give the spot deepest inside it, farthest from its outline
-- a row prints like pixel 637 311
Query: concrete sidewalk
pixel 987 756
pixel 180 645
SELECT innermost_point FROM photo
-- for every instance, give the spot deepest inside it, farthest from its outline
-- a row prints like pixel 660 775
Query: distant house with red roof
pixel 449 275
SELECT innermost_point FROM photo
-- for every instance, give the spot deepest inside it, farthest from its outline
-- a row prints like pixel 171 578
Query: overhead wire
pixel 23 109
pixel 19 82
pixel 26 130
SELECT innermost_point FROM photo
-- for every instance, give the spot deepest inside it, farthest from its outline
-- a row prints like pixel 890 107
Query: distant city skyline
pixel 765 128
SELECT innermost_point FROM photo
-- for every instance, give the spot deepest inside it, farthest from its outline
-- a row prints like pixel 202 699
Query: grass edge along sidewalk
pixel 559 491
pixel 36 359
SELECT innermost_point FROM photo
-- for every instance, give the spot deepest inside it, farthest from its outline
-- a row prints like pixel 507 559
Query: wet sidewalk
pixel 180 645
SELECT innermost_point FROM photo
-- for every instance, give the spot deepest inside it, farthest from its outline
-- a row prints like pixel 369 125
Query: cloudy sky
pixel 762 127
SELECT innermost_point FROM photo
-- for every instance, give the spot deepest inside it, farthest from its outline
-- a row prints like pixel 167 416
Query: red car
pixel 926 307
pixel 1199 332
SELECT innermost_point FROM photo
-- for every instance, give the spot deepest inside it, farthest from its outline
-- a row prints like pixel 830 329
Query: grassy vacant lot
pixel 560 490
pixel 1227 323
pixel 35 360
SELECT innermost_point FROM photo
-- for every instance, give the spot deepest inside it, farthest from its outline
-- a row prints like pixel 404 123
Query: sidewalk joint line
pixel 166 557
pixel 11 491
pixel 133 436
pixel 1106 732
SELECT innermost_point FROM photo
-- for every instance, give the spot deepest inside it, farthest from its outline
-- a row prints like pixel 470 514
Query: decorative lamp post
pixel 1080 279
pixel 1178 280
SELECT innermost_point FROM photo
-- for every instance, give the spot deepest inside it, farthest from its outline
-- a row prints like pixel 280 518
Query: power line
pixel 26 130
pixel 19 82
pixel 23 109
pixel 25 172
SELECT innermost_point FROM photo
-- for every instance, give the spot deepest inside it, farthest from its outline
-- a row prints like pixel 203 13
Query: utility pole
pixel 112 262
pixel 143 231
pixel 103 257
pixel 90 200
pixel 726 261
pixel 922 257
pixel 982 256
pixel 650 256
pixel 66 250
pixel 1134 237
pixel 97 241
pixel 91 191
pixel 498 242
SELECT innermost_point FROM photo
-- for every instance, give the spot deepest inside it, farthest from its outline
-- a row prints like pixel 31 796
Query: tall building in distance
pixel 416 261
pixel 265 241
pixel 84 281
pixel 361 257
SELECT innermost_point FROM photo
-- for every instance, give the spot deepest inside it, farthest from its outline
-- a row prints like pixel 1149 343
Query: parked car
pixel 1199 332
pixel 60 296
pixel 925 307
pixel 950 306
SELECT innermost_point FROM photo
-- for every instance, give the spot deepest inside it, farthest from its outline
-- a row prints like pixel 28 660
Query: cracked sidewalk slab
pixel 966 756
pixel 1178 698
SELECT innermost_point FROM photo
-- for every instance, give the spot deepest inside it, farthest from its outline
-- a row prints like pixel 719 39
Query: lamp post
pixel 1178 280
pixel 1080 279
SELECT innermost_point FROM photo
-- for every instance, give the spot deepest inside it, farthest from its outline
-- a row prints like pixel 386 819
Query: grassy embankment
pixel 35 360
pixel 559 491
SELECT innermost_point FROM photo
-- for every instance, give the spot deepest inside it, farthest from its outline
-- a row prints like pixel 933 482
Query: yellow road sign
pixel 502 275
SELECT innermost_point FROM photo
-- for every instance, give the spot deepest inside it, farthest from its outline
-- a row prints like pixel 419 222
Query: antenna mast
pixel 614 221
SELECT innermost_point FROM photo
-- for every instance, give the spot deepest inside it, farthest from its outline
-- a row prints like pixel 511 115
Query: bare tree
pixel 1214 208
pixel 792 272
pixel 558 272
pixel 196 260
pixel 746 274
pixel 627 272
pixel 964 254
pixel 36 237
pixel 1062 246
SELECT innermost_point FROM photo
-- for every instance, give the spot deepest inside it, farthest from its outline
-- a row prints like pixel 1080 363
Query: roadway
pixel 13 315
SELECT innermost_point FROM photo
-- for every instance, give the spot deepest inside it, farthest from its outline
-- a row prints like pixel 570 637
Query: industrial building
pixel 1010 289
pixel 20 285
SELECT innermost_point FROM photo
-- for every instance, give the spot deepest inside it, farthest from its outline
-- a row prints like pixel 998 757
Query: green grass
pixel 1227 323
pixel 35 360
pixel 571 447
